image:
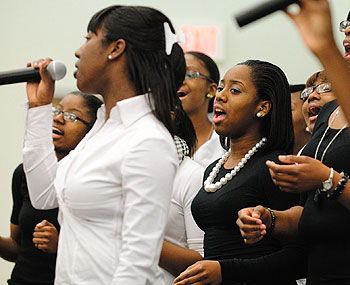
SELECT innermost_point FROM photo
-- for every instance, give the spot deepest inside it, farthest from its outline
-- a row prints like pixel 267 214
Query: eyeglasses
pixel 68 116
pixel 344 25
pixel 321 88
pixel 197 74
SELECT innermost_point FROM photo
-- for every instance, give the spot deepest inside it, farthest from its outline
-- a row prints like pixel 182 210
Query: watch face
pixel 327 185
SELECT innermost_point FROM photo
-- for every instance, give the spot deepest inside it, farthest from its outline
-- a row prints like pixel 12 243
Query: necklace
pixel 332 140
pixel 209 186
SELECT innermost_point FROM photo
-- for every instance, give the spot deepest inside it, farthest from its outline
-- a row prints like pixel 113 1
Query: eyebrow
pixel 70 110
pixel 233 82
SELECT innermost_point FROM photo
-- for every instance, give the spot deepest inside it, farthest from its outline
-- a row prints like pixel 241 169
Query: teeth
pixel 57 131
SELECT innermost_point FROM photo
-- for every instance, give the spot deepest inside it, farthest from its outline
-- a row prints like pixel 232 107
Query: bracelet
pixel 340 186
pixel 273 220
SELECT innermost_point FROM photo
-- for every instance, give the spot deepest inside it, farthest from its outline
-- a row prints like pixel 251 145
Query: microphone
pixel 56 69
pixel 263 10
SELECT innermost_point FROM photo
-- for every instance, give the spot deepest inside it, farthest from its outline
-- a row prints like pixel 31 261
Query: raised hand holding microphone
pixel 41 93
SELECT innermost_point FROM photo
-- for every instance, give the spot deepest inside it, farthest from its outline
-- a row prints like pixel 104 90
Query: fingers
pixel 189 276
pixel 251 226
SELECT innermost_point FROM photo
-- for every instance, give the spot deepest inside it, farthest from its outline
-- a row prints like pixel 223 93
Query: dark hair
pixel 314 77
pixel 184 128
pixel 213 71
pixel 296 87
pixel 348 18
pixel 91 102
pixel 150 69
pixel 271 84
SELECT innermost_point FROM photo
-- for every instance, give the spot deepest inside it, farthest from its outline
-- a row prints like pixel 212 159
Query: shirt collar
pixel 131 109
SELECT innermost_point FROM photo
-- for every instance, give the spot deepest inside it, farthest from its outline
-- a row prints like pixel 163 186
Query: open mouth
pixel 346 45
pixel 181 94
pixel 219 115
pixel 313 112
pixel 57 133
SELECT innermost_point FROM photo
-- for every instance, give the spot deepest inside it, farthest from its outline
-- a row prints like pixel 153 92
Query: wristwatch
pixel 328 184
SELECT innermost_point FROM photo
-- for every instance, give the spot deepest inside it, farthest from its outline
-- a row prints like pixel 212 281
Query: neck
pixel 202 126
pixel 115 93
pixel 60 155
pixel 240 147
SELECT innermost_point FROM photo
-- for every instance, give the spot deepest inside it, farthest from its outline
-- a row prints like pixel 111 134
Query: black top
pixel 325 225
pixel 216 214
pixel 33 266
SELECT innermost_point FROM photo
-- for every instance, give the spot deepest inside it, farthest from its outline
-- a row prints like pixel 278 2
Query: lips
pixel 313 111
pixel 57 133
pixel 346 44
pixel 181 93
pixel 219 114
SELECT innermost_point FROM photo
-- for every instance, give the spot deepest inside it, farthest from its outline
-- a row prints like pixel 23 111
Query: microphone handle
pixel 263 10
pixel 21 75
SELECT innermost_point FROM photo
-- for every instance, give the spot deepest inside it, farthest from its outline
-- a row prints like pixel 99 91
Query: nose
pixel 220 96
pixel 347 31
pixel 313 96
pixel 77 53
pixel 59 118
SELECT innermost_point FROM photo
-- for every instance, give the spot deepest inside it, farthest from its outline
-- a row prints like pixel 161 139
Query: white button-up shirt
pixel 113 193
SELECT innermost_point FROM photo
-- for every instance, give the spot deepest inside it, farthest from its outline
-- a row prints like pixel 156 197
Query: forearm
pixel 39 160
pixel 175 259
pixel 8 249
pixel 337 70
pixel 286 224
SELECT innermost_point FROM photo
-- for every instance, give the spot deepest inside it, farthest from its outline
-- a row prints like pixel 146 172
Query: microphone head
pixel 57 69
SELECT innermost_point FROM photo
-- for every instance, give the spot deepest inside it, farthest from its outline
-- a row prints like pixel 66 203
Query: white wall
pixel 32 29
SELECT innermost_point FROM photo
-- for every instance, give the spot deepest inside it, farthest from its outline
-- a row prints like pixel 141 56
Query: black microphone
pixel 56 69
pixel 263 10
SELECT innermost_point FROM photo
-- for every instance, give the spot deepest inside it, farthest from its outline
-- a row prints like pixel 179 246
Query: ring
pixel 36 245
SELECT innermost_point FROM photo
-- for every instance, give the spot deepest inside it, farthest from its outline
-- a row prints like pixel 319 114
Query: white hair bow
pixel 171 38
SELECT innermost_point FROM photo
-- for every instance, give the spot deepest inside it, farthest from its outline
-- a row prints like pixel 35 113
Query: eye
pixel 235 90
pixel 219 89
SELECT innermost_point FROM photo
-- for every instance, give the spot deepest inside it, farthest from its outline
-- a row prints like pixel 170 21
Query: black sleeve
pixel 17 180
pixel 289 263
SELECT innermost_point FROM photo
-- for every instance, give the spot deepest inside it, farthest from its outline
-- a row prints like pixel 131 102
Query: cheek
pixel 75 135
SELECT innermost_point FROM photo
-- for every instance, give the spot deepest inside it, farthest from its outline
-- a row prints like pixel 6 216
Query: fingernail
pixel 282 157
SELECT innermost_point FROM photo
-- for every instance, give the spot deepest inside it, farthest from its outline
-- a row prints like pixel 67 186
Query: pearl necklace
pixel 209 186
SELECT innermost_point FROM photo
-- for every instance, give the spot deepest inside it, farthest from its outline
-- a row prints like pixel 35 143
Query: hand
pixel 315 25
pixel 253 222
pixel 45 237
pixel 41 93
pixel 302 173
pixel 201 273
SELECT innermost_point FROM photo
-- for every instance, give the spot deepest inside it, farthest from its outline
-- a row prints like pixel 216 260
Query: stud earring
pixel 259 115
pixel 209 96
pixel 307 129
pixel 110 57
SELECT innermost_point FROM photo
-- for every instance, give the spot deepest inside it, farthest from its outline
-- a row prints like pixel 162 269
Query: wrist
pixel 272 220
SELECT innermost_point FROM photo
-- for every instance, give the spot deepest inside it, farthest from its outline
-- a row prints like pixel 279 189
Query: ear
pixel 212 90
pixel 116 49
pixel 264 108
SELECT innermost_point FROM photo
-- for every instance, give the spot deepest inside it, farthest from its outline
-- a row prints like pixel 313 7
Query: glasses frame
pixel 197 74
pixel 343 25
pixel 56 112
pixel 309 90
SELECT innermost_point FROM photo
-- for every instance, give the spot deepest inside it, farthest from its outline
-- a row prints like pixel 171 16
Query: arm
pixel 315 26
pixel 303 174
pixel 9 246
pixel 147 175
pixel 176 259
pixel 39 160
